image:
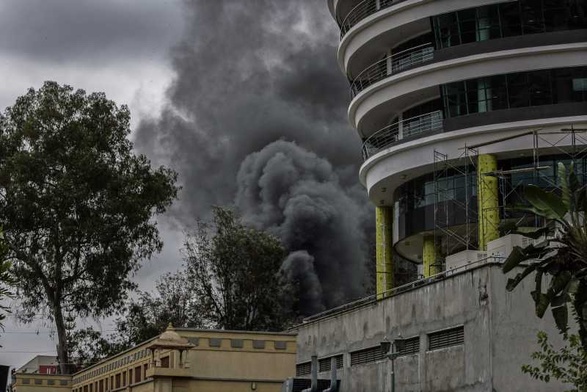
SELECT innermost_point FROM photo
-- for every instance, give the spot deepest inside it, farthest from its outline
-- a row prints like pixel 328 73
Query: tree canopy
pixel 143 317
pixel 568 365
pixel 232 279
pixel 76 203
pixel 7 280
pixel 236 274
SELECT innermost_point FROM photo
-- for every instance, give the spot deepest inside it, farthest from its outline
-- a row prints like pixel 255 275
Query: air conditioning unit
pixel 501 248
pixel 463 258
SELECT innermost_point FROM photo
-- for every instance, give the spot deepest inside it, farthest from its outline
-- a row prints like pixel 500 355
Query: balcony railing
pixel 391 65
pixel 391 134
pixel 363 10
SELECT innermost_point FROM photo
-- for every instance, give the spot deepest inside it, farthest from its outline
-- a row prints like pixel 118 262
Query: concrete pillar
pixel 487 200
pixel 383 245
pixel 429 257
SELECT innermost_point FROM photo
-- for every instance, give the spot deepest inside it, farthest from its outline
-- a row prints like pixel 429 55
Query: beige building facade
pixel 183 360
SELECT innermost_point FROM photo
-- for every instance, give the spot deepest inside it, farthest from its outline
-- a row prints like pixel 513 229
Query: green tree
pixel 174 302
pixel 76 205
pixel 568 365
pixel 143 318
pixel 236 274
pixel 6 281
pixel 562 255
pixel 88 346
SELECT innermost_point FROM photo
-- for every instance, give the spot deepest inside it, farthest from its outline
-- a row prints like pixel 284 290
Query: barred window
pixel 446 338
pixel 367 355
pixel 236 343
pixel 410 346
pixel 303 369
pixel 259 344
pixel 325 364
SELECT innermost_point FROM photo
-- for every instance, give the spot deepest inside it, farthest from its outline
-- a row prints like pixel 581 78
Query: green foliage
pixel 87 346
pixel 231 280
pixel 7 280
pixel 76 203
pixel 147 316
pixel 236 274
pixel 172 302
pixel 568 365
pixel 561 255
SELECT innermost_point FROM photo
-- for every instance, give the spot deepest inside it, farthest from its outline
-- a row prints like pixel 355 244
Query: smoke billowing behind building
pixel 248 74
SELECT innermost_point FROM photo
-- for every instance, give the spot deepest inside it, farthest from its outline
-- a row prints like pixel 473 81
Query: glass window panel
pixel 467 26
pixel 539 88
pixel 518 90
pixel 532 20
pixel 510 19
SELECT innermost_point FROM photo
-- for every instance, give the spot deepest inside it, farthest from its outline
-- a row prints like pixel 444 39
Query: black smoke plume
pixel 249 73
pixel 298 196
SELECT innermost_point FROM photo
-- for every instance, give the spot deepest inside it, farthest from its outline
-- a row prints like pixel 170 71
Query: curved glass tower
pixel 458 107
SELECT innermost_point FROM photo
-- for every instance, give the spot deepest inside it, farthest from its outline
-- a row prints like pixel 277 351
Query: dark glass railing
pixel 391 134
pixel 391 65
pixel 362 10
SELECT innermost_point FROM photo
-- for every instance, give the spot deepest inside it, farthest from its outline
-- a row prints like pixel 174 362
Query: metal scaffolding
pixel 568 144
pixel 451 235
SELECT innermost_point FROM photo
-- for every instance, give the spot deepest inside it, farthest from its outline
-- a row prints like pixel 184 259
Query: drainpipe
pixel 333 380
pixel 314 384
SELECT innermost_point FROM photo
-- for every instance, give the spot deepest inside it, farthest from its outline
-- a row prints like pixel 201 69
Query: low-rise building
pixel 183 360
pixel 458 331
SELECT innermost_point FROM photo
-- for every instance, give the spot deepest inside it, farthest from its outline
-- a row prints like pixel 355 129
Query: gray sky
pixel 120 47
pixel 216 88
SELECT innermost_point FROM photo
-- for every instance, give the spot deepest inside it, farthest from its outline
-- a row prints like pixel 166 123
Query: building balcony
pixel 392 65
pixel 362 10
pixel 408 128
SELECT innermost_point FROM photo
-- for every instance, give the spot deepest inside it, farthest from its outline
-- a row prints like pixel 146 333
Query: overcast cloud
pixel 120 47
pixel 212 85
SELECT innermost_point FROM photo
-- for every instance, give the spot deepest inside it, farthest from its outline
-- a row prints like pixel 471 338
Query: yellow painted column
pixel 487 200
pixel 383 245
pixel 429 257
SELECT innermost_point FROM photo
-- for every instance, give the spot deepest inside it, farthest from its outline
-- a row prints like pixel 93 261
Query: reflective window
pixel 515 90
pixel 426 190
pixel 508 20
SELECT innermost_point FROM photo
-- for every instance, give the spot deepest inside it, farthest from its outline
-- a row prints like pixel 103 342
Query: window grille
pixel 214 342
pixel 446 338
pixel 236 343
pixel 367 355
pixel 280 345
pixel 259 344
pixel 410 346
pixel 303 369
pixel 325 364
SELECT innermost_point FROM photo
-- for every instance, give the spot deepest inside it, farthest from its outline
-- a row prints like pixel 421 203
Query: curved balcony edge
pixel 421 10
pixel 416 157
pixel 430 74
pixel 392 65
pixel 332 8
pixel 425 54
pixel 407 129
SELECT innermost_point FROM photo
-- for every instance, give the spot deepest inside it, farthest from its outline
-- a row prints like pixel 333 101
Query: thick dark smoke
pixel 249 73
pixel 297 196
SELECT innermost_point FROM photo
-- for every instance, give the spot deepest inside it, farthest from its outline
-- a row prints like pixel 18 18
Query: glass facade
pixel 515 90
pixel 417 198
pixel 507 20
pixel 425 191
